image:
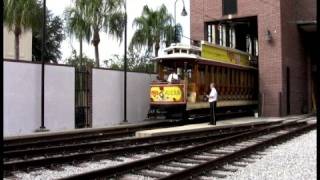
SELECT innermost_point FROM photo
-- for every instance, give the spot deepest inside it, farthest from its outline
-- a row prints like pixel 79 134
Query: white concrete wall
pixel 59 97
pixel 138 96
pixel 107 97
pixel 22 98
pixel 25 44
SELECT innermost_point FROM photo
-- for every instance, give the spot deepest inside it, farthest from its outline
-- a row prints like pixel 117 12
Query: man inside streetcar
pixel 212 98
pixel 173 77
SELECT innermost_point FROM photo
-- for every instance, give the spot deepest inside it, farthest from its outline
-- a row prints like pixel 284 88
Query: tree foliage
pixel 76 61
pixel 77 25
pixel 153 27
pixel 20 15
pixel 54 36
pixel 104 15
pixel 135 62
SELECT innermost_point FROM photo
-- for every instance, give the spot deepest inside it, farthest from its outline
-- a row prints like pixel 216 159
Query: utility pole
pixel 125 66
pixel 42 127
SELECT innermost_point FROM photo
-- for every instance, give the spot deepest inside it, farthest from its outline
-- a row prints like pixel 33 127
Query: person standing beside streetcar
pixel 212 98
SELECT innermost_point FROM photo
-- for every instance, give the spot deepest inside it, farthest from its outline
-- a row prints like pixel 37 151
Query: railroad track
pixel 197 161
pixel 52 156
pixel 87 136
pixel 81 136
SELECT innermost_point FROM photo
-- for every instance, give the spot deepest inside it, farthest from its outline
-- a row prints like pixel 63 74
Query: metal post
pixel 175 20
pixel 125 65
pixel 280 104
pixel 42 127
pixel 317 94
pixel 183 13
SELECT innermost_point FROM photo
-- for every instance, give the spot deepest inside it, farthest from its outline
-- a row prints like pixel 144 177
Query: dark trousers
pixel 212 112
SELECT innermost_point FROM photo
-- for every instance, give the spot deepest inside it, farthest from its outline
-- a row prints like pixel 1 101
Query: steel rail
pixel 51 139
pixel 45 162
pixel 120 169
pixel 47 140
pixel 67 140
pixel 194 171
pixel 109 143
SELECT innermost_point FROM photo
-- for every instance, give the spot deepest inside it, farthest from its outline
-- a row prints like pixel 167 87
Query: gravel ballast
pixel 295 159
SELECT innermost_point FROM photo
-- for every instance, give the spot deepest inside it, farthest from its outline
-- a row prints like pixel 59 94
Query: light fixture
pixel 268 35
pixel 184 12
pixel 230 16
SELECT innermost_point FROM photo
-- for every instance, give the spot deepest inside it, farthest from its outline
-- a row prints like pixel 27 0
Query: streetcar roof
pixel 201 60
pixel 180 52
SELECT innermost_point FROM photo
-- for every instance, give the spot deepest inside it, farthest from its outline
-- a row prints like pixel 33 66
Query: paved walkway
pixel 206 126
pixel 83 130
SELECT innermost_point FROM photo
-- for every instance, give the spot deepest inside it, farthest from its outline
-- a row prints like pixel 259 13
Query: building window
pixel 229 7
pixel 256 47
pixel 232 37
pixel 220 35
pixel 249 44
pixel 210 33
pixel 224 37
pixel 213 32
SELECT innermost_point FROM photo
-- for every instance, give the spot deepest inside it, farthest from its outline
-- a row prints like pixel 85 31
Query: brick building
pixel 279 34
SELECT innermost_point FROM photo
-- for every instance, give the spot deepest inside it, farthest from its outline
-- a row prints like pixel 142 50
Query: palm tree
pixel 77 25
pixel 21 15
pixel 104 15
pixel 173 34
pixel 153 27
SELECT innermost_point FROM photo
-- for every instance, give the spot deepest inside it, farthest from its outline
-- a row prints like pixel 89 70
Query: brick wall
pixel 294 53
pixel 306 10
pixel 270 61
pixel 286 49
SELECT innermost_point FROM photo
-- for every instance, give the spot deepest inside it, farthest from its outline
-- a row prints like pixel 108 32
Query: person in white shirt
pixel 173 77
pixel 212 98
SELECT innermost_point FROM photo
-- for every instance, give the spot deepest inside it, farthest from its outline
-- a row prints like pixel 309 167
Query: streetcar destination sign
pixel 167 93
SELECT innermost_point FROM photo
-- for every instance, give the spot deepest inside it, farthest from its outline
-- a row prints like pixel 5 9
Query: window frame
pixel 229 10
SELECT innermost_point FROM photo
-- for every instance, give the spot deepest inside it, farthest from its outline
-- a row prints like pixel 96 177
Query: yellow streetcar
pixel 234 73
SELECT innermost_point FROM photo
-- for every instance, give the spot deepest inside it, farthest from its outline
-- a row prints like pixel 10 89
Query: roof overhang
pixel 307 26
pixel 202 60
pixel 176 57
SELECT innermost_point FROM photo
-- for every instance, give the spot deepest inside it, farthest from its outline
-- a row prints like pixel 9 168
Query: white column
pixel 256 45
pixel 224 35
pixel 249 44
pixel 233 38
pixel 209 34
pixel 213 34
pixel 220 35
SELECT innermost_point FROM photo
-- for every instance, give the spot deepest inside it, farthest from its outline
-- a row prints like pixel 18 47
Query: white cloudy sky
pixel 109 46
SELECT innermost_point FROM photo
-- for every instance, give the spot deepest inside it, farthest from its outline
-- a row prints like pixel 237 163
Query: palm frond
pixel 116 24
pixel 26 14
pixel 151 28
pixel 77 24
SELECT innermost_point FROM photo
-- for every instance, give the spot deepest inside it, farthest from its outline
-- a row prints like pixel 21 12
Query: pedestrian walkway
pixel 84 130
pixel 206 126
